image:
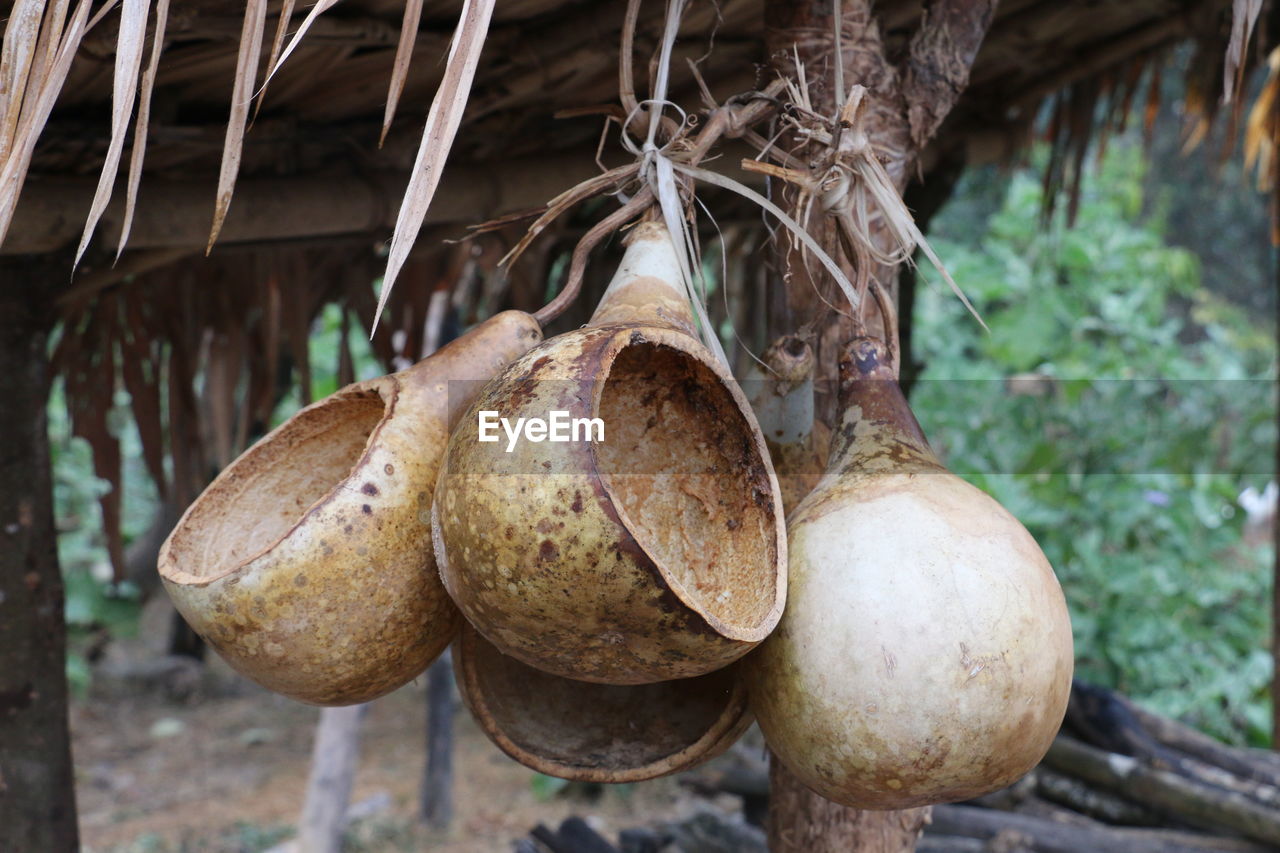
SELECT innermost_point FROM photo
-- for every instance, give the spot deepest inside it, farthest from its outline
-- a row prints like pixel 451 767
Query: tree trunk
pixel 37 794
pixel 906 104
pixel 800 821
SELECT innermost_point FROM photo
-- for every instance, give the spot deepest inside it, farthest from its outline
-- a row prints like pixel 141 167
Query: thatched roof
pixel 322 114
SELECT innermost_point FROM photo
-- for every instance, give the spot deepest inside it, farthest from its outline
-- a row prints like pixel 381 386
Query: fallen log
pixel 1100 805
pixel 1111 721
pixel 1178 797
pixel 1048 836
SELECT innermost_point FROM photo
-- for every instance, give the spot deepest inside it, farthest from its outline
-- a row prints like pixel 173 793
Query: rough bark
pixel 800 821
pixel 906 106
pixel 37 795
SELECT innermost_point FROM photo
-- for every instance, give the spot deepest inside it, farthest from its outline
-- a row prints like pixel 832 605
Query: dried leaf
pixel 718 180
pixel 1244 14
pixel 443 121
pixel 282 29
pixel 255 19
pixel 90 398
pixel 404 52
pixel 55 22
pixel 140 127
pixel 16 58
pixel 140 367
pixel 128 65
pixel 13 170
pixel 317 10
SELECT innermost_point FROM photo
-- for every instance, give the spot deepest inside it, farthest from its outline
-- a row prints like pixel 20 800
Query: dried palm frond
pixel 255 21
pixel 1244 15
pixel 28 104
pixel 400 73
pixel 443 121
pixel 139 152
pixel 1262 140
pixel 128 67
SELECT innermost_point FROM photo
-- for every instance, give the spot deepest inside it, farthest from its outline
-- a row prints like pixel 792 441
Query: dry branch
pixel 1175 796
pixel 942 52
pixel 1047 836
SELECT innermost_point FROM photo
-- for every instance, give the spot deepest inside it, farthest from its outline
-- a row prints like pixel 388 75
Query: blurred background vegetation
pixel 1122 402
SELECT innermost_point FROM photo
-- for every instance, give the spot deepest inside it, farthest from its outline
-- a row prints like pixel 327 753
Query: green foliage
pixel 1149 406
pixel 323 349
pixel 93 603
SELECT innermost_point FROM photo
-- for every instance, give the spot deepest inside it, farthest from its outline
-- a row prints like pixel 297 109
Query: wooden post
pixel 436 806
pixel 37 793
pixel 333 769
pixel 908 102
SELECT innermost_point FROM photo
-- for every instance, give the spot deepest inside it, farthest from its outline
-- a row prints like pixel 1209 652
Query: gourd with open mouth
pixel 307 564
pixel 590 732
pixel 657 553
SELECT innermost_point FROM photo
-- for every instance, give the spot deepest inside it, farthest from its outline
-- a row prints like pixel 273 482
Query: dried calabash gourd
pixel 925 655
pixel 657 553
pixel 591 732
pixel 307 564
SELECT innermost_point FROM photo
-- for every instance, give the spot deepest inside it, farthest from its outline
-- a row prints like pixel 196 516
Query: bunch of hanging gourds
pixel 617 607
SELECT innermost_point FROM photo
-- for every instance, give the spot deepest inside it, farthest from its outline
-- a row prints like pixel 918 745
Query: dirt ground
pixel 217 764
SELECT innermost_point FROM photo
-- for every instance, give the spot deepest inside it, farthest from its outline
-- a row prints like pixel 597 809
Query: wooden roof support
pixel 174 214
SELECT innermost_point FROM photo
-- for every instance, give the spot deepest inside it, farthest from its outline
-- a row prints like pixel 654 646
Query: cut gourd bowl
pixel 656 553
pixel 307 564
pixel 598 732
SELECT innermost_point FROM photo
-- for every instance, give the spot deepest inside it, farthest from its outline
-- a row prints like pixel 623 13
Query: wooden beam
pixel 175 214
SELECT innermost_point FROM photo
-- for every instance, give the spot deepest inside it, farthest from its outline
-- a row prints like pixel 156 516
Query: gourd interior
pixel 682 469
pixel 268 491
pixel 581 724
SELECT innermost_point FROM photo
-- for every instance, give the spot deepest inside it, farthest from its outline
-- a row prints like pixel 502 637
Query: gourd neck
pixel 877 430
pixel 646 288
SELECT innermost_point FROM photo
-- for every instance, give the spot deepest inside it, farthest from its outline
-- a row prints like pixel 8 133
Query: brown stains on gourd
pixel 649 580
pixel 278 562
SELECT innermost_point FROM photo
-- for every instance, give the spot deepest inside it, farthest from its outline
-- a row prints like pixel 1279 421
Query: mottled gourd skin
pixel 925 654
pixel 307 564
pixel 659 553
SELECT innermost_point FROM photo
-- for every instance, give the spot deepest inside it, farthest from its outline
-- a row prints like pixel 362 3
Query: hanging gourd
pixel 655 553
pixel 307 564
pixel 591 732
pixel 925 654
